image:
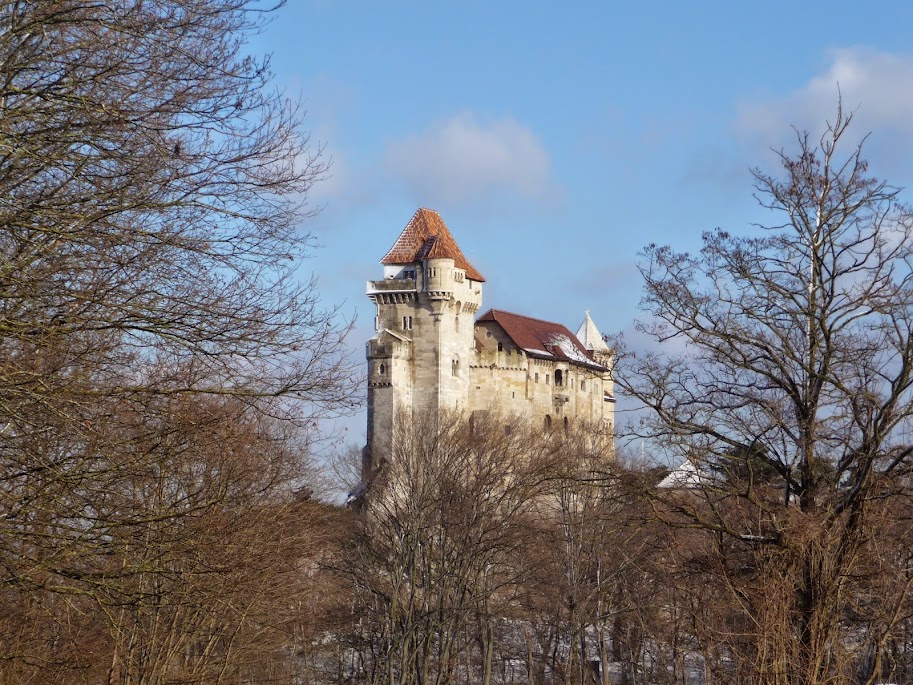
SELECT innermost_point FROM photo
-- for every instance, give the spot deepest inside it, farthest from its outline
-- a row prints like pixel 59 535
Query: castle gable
pixel 540 338
pixel 426 236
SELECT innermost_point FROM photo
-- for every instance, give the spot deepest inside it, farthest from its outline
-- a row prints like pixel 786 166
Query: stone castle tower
pixel 428 353
pixel 419 358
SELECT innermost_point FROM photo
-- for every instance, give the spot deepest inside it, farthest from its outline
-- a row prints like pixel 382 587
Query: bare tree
pixel 152 322
pixel 436 565
pixel 152 183
pixel 793 399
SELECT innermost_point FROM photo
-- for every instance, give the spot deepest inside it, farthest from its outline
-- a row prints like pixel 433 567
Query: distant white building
pixel 429 353
pixel 684 476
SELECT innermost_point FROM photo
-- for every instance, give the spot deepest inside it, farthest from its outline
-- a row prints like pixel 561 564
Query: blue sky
pixel 557 139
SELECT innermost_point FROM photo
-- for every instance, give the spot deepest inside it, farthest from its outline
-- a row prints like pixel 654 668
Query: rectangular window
pixel 546 379
pixel 537 378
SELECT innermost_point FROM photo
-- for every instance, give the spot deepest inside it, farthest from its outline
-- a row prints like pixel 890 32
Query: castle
pixel 428 355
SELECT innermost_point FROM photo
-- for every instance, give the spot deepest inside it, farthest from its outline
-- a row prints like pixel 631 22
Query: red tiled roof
pixel 543 338
pixel 426 236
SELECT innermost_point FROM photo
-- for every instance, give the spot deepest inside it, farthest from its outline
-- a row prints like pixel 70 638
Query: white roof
pixel 590 336
pixel 685 476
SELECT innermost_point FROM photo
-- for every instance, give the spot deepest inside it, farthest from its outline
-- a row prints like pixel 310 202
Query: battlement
pixel 391 285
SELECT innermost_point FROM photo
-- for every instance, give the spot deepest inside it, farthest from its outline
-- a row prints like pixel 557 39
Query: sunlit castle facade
pixel 430 353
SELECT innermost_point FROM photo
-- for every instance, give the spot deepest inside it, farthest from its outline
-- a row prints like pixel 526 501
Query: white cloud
pixel 877 86
pixel 461 160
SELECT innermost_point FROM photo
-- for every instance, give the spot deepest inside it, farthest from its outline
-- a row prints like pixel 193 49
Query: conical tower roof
pixel 590 336
pixel 426 236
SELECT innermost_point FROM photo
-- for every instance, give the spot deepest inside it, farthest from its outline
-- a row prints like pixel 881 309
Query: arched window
pixel 455 367
pixel 500 347
pixel 548 422
pixel 383 369
pixel 559 378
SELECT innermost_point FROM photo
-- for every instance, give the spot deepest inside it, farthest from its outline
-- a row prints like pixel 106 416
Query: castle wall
pixel 515 383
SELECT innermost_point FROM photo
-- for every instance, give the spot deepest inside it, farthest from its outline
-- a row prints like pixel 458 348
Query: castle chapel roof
pixel 426 236
pixel 539 338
